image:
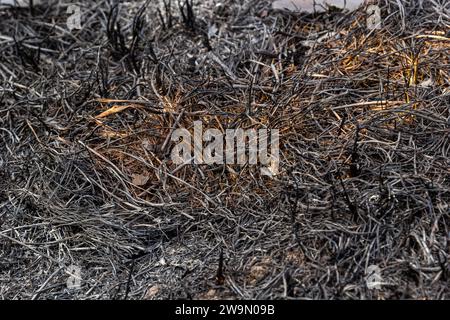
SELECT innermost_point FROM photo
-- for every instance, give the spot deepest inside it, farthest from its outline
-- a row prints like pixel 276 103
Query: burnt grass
pixel 86 177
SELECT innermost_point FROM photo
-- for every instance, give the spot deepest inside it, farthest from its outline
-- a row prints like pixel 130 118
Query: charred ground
pixel 364 123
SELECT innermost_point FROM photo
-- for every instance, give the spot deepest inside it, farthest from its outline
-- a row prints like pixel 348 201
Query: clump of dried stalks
pixel 87 180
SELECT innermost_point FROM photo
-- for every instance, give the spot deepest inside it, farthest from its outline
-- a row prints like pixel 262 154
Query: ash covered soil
pixel 87 181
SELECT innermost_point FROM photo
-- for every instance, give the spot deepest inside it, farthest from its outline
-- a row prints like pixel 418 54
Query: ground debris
pixel 87 179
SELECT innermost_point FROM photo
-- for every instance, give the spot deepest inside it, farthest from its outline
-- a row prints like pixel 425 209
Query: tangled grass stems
pixel 87 180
